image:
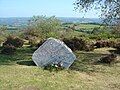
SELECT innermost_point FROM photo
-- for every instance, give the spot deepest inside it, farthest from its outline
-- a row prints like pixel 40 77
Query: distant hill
pixel 22 21
pixel 17 21
pixel 79 20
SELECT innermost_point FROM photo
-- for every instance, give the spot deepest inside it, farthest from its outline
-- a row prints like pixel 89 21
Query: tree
pixel 42 27
pixel 110 8
pixel 44 24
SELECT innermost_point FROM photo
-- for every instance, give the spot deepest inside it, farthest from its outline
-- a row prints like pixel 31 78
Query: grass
pixel 84 26
pixel 18 72
pixel 87 26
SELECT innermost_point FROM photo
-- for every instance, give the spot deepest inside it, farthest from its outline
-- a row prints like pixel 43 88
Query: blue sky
pixel 28 8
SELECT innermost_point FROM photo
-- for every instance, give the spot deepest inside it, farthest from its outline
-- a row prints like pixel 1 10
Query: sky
pixel 28 8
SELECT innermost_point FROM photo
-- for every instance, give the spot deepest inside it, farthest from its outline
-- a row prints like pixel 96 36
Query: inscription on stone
pixel 53 51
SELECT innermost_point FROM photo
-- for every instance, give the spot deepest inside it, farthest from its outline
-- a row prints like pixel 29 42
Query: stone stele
pixel 53 51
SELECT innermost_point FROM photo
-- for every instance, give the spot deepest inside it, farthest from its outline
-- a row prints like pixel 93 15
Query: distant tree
pixel 44 24
pixel 42 27
pixel 110 8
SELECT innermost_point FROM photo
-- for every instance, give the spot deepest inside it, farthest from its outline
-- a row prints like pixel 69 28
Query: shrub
pixel 75 43
pixel 78 44
pixel 33 41
pixel 117 46
pixel 104 43
pixel 1 40
pixel 96 30
pixel 109 59
pixel 116 30
pixel 89 47
pixel 29 33
pixel 14 41
pixel 8 49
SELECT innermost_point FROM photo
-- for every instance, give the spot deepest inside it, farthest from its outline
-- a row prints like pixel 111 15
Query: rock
pixel 53 51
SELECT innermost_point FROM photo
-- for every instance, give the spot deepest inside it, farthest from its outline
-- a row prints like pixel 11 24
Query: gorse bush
pixel 89 47
pixel 75 43
pixel 108 59
pixel 8 49
pixel 78 44
pixel 14 41
pixel 104 43
pixel 117 46
pixel 11 44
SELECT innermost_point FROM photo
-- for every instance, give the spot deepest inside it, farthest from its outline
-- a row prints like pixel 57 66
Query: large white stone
pixel 53 51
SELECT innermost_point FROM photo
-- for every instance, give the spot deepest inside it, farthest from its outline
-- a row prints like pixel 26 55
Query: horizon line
pixel 48 16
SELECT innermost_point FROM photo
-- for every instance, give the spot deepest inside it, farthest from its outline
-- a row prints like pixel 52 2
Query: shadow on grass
pixel 87 61
pixel 27 63
pixel 0 47
pixel 21 54
pixel 115 51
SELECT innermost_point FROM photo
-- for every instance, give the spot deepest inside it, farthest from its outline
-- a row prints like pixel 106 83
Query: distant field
pixel 87 26
pixel 83 26
pixel 78 27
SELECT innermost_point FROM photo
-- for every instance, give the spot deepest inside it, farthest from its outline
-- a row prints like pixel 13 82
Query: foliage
pixel 40 28
pixel 104 43
pixel 117 46
pixel 78 44
pixel 109 59
pixel 82 71
pixel 89 47
pixel 116 30
pixel 43 25
pixel 75 43
pixel 110 8
pixel 54 67
pixel 2 33
pixel 3 29
pixel 14 41
pixel 103 36
pixel 8 49
pixel 1 40
pixel 29 33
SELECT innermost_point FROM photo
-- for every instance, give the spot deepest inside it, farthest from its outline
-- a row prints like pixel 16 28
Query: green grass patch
pixel 18 72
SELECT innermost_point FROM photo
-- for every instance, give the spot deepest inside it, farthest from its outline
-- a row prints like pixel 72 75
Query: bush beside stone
pixel 8 50
pixel 14 41
pixel 78 44
pixel 11 44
